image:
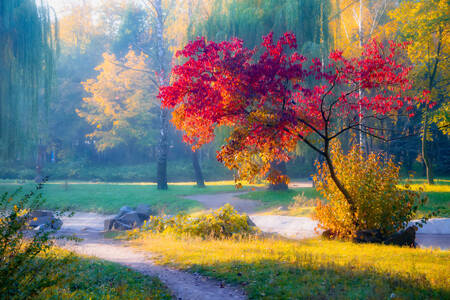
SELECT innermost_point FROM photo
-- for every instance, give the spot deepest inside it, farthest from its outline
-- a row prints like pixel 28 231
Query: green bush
pixel 22 273
pixel 373 183
pixel 224 222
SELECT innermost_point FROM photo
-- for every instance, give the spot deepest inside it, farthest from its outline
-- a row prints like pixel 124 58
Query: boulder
pixel 124 221
pixel 124 210
pixel 250 222
pixel 144 211
pixel 108 224
pixel 328 234
pixel 117 225
pixel 54 224
pixel 368 236
pixel 43 219
pixel 132 219
pixel 405 237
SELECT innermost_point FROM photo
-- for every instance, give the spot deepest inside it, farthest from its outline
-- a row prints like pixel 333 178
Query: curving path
pixel 89 227
pixel 435 234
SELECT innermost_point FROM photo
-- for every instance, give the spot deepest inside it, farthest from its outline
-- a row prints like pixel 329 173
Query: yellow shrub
pixel 372 182
pixel 222 223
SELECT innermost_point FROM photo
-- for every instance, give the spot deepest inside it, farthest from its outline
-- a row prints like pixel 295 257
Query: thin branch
pixel 138 70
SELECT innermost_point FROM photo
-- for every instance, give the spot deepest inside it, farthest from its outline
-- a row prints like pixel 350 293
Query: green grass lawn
pixel 89 278
pixel 438 195
pixel 109 197
pixel 309 269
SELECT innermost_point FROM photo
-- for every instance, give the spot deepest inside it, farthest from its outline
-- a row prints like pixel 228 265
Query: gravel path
pixel 215 201
pixel 89 227
pixel 435 234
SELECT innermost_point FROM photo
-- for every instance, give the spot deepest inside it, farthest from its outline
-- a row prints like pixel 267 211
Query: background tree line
pixel 95 114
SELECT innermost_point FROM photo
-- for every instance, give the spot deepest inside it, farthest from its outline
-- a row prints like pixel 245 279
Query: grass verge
pixel 309 269
pixel 89 278
pixel 109 197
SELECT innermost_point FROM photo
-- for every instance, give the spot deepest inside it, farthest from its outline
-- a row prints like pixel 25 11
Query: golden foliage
pixel 121 101
pixel 224 222
pixel 372 182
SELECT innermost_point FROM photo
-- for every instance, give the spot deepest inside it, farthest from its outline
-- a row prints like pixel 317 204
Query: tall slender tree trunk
pixel 362 136
pixel 161 170
pixel 339 184
pixel 426 159
pixel 197 169
pixel 425 156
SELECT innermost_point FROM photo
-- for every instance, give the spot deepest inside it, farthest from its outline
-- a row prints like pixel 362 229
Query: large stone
pixel 108 224
pixel 117 225
pixel 250 222
pixel 124 221
pixel 405 237
pixel 42 219
pixel 132 219
pixel 368 236
pixel 144 211
pixel 124 210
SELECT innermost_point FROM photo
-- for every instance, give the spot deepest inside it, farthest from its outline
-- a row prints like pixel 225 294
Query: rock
pixel 132 219
pixel 144 211
pixel 43 219
pixel 405 237
pixel 368 236
pixel 250 222
pixel 328 234
pixel 108 224
pixel 54 224
pixel 124 210
pixel 41 213
pixel 124 221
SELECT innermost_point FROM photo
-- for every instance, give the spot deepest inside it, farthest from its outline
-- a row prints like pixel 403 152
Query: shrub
pixel 224 222
pixel 23 274
pixel 373 183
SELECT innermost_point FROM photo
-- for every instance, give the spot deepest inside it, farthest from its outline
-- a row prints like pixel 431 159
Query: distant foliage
pixel 224 222
pixel 373 182
pixel 119 105
pixel 23 271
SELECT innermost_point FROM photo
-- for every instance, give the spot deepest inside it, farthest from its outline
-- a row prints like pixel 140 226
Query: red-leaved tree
pixel 272 97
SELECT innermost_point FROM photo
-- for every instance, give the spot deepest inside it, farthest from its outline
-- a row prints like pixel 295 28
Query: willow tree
pixel 27 47
pixel 250 19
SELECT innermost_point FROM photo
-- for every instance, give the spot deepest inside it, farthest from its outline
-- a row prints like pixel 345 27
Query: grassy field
pixel 89 278
pixel 309 269
pixel 109 197
pixel 438 194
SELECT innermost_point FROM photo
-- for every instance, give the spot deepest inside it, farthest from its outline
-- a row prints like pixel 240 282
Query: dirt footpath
pixel 184 285
pixel 435 234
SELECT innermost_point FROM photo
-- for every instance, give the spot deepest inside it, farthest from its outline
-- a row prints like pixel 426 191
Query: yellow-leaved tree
pixel 426 23
pixel 122 103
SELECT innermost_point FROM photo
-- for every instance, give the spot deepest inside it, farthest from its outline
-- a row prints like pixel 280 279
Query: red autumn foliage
pixel 273 97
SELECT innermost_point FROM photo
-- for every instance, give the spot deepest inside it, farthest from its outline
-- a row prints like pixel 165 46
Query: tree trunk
pixel 425 157
pixel 280 167
pixel 339 184
pixel 161 170
pixel 198 170
pixel 431 84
